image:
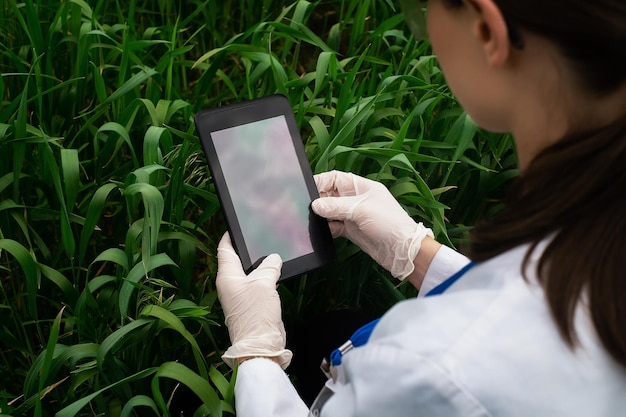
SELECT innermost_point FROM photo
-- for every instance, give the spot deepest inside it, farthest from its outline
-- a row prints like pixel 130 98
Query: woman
pixel 535 325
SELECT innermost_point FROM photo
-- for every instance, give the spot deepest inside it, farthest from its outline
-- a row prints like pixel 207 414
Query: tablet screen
pixel 268 191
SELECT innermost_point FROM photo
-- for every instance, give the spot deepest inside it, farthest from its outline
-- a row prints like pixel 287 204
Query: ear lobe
pixel 491 31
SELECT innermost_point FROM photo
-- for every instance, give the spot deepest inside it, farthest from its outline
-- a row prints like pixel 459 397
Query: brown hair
pixel 573 191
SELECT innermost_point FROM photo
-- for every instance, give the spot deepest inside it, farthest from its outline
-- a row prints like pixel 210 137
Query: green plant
pixel 108 219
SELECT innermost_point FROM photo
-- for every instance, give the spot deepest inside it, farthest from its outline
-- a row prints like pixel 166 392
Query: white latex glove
pixel 251 307
pixel 365 212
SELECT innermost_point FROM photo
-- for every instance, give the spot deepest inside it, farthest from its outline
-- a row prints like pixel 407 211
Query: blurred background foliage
pixel 108 217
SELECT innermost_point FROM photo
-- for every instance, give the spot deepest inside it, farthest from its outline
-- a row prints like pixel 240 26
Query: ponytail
pixel 573 191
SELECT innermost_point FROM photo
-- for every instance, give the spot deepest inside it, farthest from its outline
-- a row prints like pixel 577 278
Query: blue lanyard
pixel 361 336
pixel 441 288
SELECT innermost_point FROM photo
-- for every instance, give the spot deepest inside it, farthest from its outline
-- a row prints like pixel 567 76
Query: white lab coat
pixel 486 347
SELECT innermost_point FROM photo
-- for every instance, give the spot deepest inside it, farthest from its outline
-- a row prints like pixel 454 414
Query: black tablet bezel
pixel 211 120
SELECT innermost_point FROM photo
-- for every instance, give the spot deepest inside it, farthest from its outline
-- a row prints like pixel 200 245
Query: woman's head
pixel 541 69
pixel 571 142
pixel 590 34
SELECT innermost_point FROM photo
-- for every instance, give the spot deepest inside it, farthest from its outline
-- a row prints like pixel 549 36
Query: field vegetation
pixel 109 219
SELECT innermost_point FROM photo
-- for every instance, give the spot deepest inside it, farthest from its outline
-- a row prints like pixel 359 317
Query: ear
pixel 491 30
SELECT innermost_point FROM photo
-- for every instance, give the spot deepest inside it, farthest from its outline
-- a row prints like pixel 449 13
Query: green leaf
pixel 139 271
pixel 50 347
pixel 144 174
pixel 221 383
pixel 461 134
pixel 132 83
pixel 67 235
pixel 321 70
pixel 74 408
pixel 174 108
pixel 61 356
pixel 60 281
pixel 110 344
pixel 94 211
pixel 138 401
pixel 98 80
pixel 115 255
pixel 86 10
pixel 122 132
pixel 153 206
pixel 154 117
pixel 361 111
pixel 176 324
pixel 71 175
pixel 30 269
pixel 5 129
pixel 199 385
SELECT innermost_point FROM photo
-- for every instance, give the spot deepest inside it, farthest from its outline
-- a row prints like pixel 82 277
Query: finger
pixel 337 229
pixel 337 183
pixel 228 262
pixel 346 183
pixel 268 269
pixel 326 210
pixel 325 183
pixel 225 242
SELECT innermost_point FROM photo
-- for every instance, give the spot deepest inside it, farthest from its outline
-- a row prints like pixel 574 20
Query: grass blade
pixel 139 271
pixel 50 348
pixel 199 385
pixel 94 210
pixel 74 408
pixel 138 401
pixel 70 166
pixel 176 324
pixel 30 269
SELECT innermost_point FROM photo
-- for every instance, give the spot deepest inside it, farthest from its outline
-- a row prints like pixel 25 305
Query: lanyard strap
pixel 362 335
pixel 359 338
pixel 442 287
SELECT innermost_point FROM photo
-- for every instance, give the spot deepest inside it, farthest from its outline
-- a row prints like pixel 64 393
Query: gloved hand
pixel 251 307
pixel 365 212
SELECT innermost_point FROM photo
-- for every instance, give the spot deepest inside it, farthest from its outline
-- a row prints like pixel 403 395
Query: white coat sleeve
pixel 446 263
pixel 263 389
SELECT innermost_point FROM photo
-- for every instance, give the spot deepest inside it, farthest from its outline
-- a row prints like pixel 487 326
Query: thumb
pixel 336 208
pixel 228 263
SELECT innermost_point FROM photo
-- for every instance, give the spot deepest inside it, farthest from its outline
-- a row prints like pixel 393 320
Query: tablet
pixel 265 184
